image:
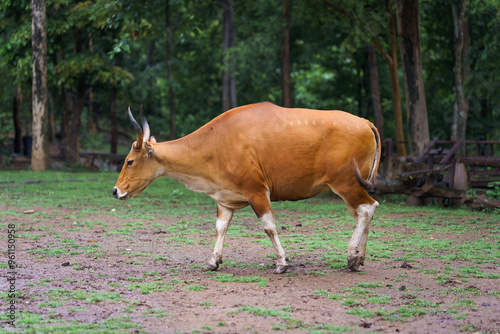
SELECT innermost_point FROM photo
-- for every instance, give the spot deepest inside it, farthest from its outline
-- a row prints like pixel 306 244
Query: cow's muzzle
pixel 119 195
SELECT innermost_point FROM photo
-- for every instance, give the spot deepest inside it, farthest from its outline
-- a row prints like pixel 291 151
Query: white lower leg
pixel 221 226
pixel 357 246
pixel 270 229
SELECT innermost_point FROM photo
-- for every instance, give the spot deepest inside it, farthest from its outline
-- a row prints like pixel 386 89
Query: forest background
pixel 403 64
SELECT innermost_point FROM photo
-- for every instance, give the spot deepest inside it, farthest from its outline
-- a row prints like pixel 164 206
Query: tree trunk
pixel 75 119
pixel 459 119
pixel 392 61
pixel 75 125
pixel 52 120
pixel 229 98
pixel 114 123
pixel 416 108
pixel 396 89
pixel 93 116
pixel 374 82
pixel 170 76
pixel 67 103
pixel 285 54
pixel 40 153
pixel 18 131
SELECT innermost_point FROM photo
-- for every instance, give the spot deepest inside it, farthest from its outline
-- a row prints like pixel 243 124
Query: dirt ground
pixel 311 297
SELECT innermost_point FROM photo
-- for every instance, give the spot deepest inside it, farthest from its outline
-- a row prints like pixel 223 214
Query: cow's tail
pixel 369 184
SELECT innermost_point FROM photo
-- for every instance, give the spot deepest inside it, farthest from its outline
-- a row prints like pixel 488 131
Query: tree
pixel 459 119
pixel 40 153
pixel 229 97
pixel 392 61
pixel 18 101
pixel 367 32
pixel 170 76
pixel 285 54
pixel 416 108
pixel 374 82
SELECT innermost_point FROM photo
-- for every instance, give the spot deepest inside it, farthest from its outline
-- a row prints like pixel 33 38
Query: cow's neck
pixel 187 160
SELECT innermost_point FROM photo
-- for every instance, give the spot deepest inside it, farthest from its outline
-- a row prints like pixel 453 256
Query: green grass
pixel 455 241
pixel 261 281
pixel 39 324
pixel 284 314
pixel 196 287
pixel 147 288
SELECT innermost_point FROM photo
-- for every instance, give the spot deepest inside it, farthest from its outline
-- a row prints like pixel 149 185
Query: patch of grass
pixel 56 252
pixel 266 312
pixel 38 324
pixel 409 312
pixel 97 297
pixel 335 296
pixel 329 329
pixel 196 287
pixel 361 312
pixel 261 281
pixel 317 273
pixel 146 288
pixel 470 291
pixel 159 313
pixel 379 300
pixel 465 303
pixel 470 271
pixel 351 302
pixel 370 284
pixel 359 291
pixel 459 316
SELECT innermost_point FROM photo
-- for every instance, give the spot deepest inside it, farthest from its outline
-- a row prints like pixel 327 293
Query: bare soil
pixel 301 295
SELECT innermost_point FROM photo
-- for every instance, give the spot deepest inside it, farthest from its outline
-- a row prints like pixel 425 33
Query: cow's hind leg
pixel 224 216
pixel 362 207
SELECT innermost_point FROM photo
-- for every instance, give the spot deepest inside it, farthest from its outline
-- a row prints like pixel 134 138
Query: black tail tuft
pixel 367 184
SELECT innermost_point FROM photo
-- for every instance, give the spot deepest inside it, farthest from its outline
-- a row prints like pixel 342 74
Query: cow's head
pixel 141 166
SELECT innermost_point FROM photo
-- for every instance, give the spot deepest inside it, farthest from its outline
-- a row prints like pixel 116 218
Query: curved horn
pixel 137 128
pixel 145 126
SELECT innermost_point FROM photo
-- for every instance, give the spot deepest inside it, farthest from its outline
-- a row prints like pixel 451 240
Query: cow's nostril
pixel 115 192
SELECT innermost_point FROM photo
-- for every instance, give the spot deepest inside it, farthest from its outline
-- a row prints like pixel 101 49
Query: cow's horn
pixel 145 126
pixel 137 128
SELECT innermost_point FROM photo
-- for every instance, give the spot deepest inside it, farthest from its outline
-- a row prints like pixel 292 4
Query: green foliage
pixel 121 46
pixel 494 192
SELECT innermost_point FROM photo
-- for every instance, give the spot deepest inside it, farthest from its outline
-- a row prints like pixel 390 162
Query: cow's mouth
pixel 119 195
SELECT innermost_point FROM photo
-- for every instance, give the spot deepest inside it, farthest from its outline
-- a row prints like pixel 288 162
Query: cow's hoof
pixel 354 262
pixel 280 269
pixel 210 267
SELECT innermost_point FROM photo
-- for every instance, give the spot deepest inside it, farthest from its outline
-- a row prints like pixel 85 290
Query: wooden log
pixel 425 153
pixel 480 203
pixel 480 161
pixel 430 190
pixel 460 179
pixel 452 152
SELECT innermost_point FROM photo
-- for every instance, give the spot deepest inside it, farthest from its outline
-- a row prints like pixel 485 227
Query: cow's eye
pixel 130 162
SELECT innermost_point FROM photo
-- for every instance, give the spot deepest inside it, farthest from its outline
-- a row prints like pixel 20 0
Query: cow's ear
pixel 149 146
pixel 152 140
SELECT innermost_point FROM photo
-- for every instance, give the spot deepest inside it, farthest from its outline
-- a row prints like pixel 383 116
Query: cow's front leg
pixel 224 216
pixel 357 246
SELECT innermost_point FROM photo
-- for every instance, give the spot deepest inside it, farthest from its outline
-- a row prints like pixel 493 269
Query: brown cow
pixel 259 153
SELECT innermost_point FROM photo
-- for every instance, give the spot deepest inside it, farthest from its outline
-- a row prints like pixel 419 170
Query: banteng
pixel 259 153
